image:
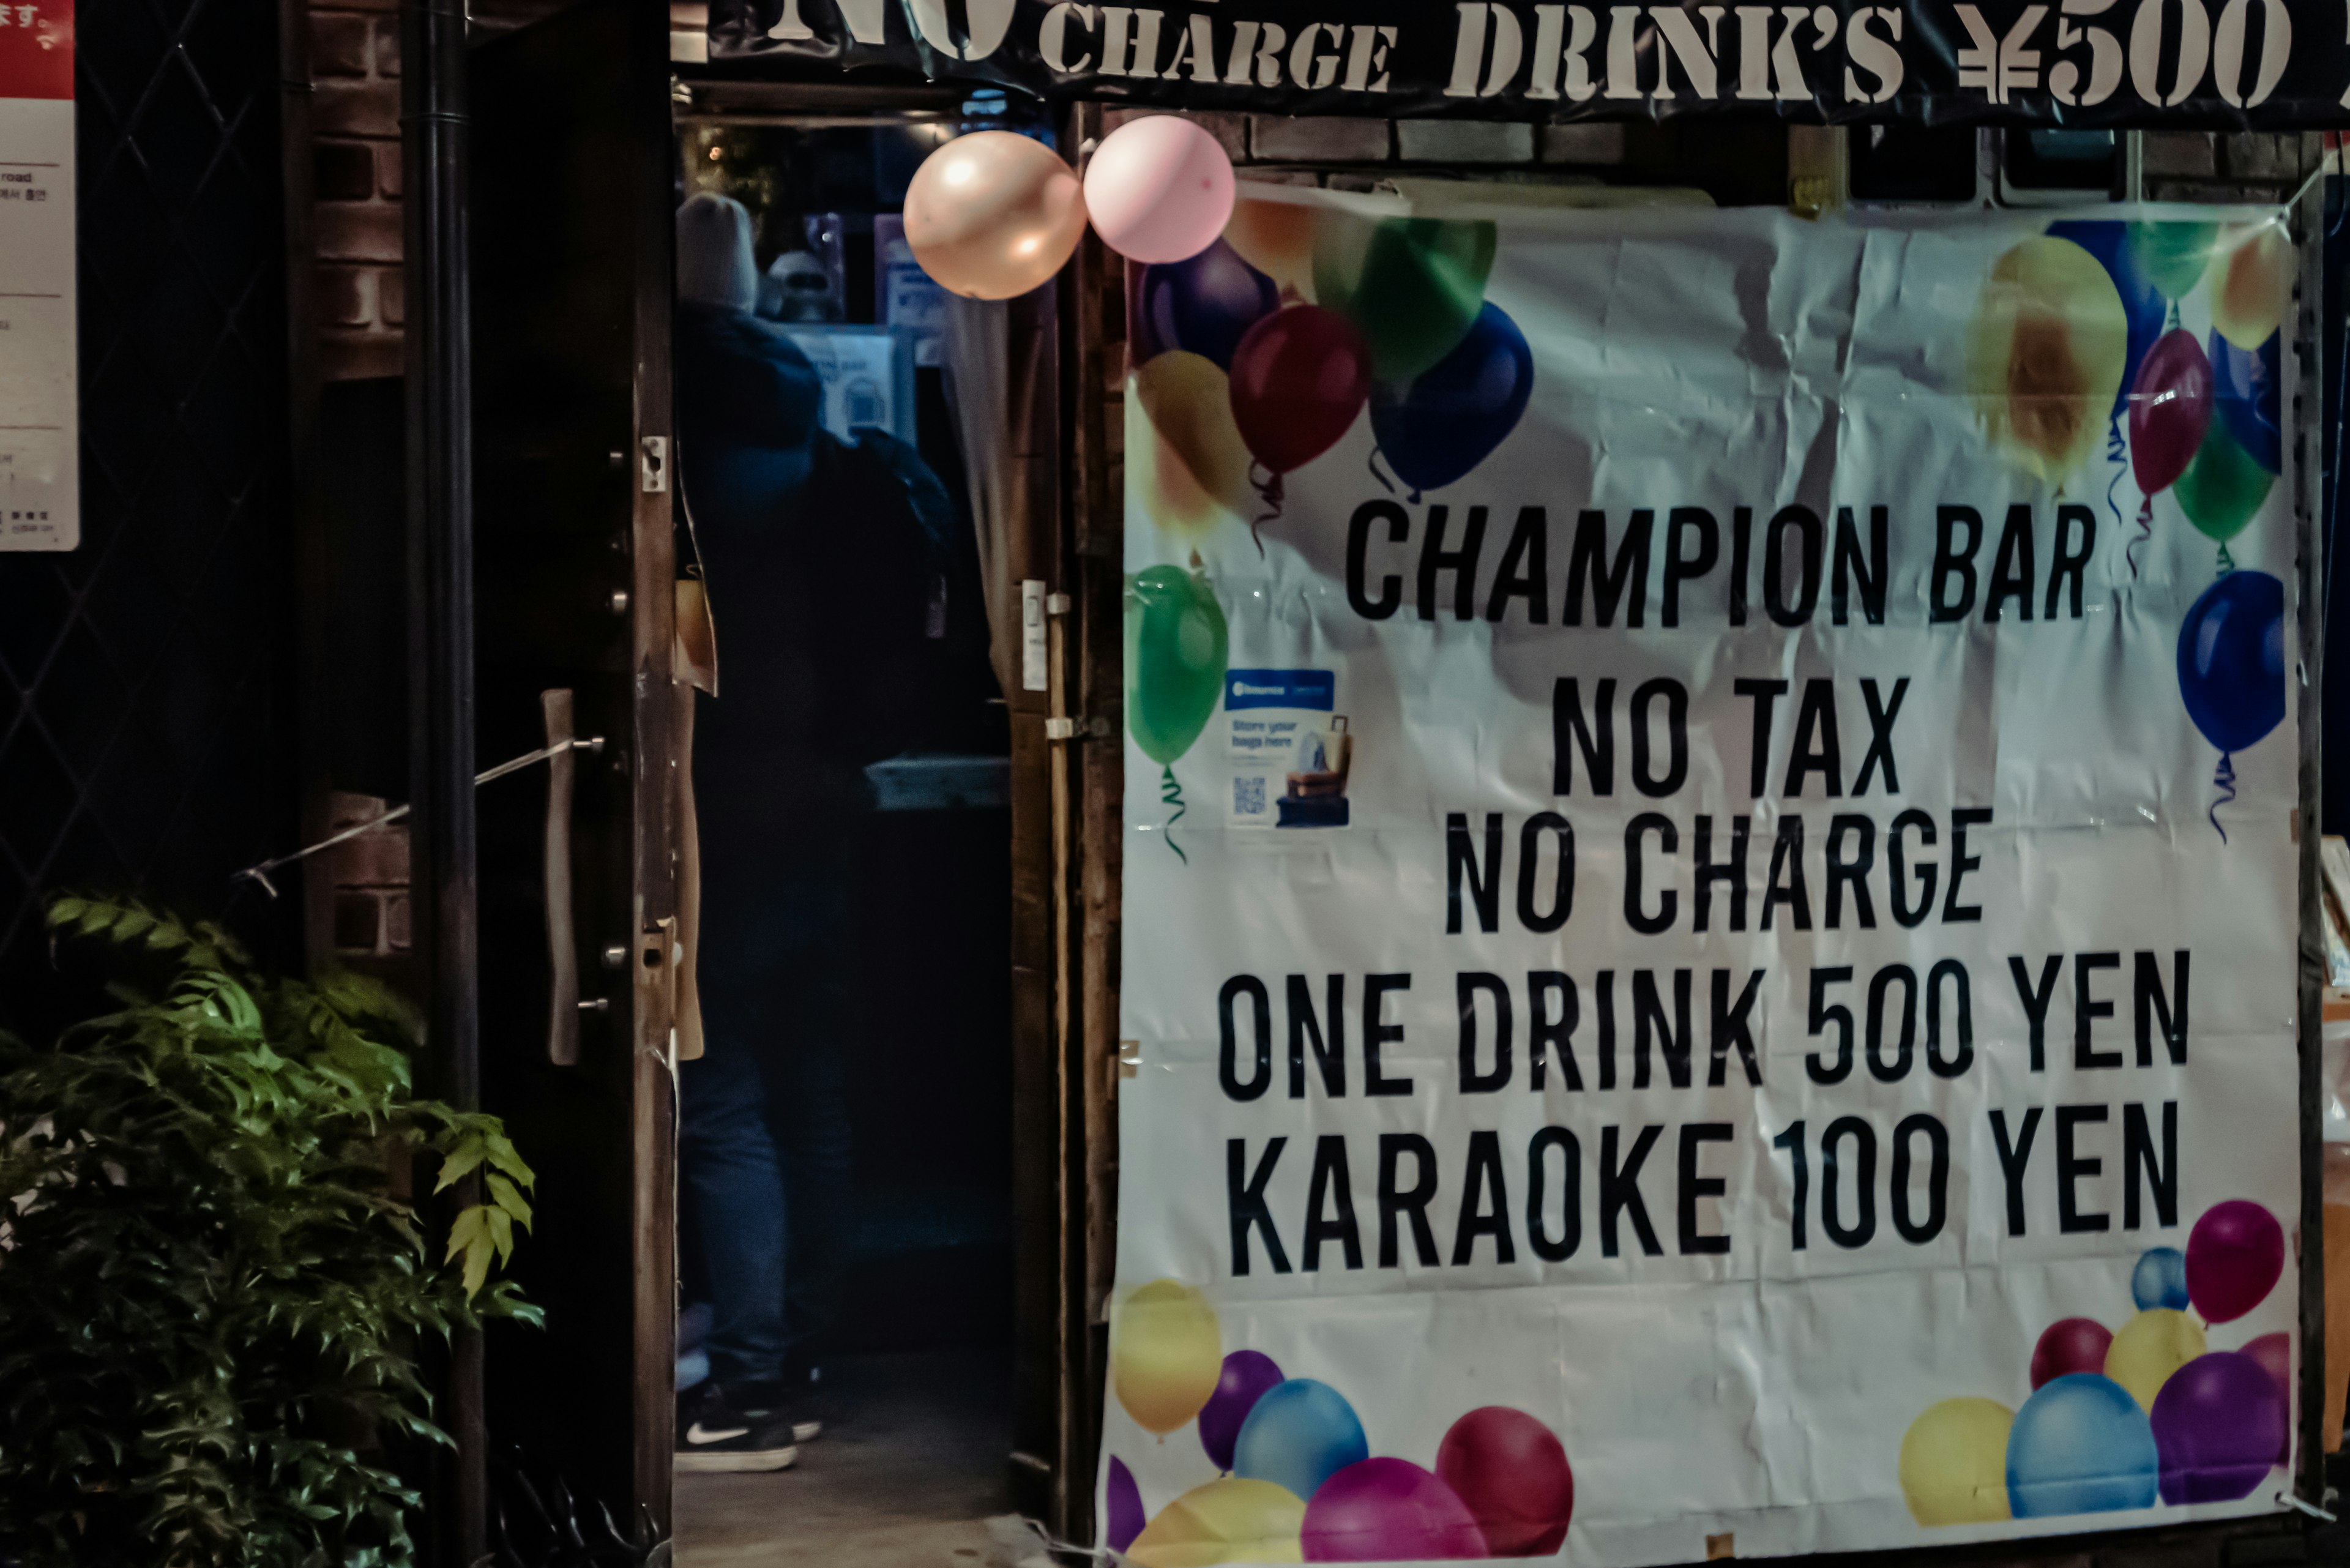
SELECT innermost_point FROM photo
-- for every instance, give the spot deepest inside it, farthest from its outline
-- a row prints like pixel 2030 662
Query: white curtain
pixel 979 376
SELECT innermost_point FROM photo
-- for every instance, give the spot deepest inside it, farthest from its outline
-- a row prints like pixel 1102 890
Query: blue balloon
pixel 1300 1434
pixel 1204 305
pixel 2080 1445
pixel 2161 1279
pixel 2247 384
pixel 2143 306
pixel 2232 659
pixel 1455 412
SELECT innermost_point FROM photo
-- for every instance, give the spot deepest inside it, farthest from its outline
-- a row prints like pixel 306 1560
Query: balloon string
pixel 2223 779
pixel 2226 561
pixel 1388 484
pixel 2116 454
pixel 1268 490
pixel 2145 532
pixel 1170 792
pixel 2170 317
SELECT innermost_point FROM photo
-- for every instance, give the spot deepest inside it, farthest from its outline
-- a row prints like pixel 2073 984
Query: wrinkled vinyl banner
pixel 1708 884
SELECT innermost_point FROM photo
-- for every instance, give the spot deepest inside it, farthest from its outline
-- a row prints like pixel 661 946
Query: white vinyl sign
pixel 40 458
pixel 1710 897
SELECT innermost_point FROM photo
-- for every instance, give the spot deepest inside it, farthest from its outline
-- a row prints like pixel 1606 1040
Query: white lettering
pixel 1478 21
pixel 1881 57
pixel 1142 61
pixel 1367 52
pixel 1196 45
pixel 2000 67
pixel 1309 69
pixel 2146 50
pixel 1677 33
pixel 1053 36
pixel 2227 51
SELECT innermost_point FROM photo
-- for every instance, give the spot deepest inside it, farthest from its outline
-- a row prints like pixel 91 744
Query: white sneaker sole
pixel 807 1431
pixel 736 1461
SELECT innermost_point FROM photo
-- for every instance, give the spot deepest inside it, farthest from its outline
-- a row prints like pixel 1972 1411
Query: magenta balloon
pixel 1122 1521
pixel 2274 1351
pixel 2234 1257
pixel 1247 1374
pixel 1511 1473
pixel 1388 1511
pixel 2219 1423
pixel 2169 410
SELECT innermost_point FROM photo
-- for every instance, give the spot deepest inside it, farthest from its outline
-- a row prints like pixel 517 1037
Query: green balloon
pixel 2224 486
pixel 1413 287
pixel 1175 646
pixel 2173 255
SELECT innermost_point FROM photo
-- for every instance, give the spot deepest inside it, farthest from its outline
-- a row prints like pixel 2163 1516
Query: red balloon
pixel 1511 1472
pixel 2170 408
pixel 1299 377
pixel 2073 1344
pixel 2234 1256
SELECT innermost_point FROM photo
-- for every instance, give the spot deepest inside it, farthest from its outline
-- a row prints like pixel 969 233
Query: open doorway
pixel 846 1149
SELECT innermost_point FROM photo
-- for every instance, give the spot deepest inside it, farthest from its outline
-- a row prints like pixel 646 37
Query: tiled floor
pixel 905 1482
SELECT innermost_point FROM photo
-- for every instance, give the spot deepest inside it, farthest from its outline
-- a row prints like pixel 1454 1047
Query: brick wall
pixel 355 115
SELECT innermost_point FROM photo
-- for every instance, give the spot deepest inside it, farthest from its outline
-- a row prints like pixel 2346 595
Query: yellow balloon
pixel 2152 1346
pixel 993 214
pixel 1228 1521
pixel 2253 286
pixel 1277 239
pixel 2046 355
pixel 1954 1462
pixel 1165 1354
pixel 1195 470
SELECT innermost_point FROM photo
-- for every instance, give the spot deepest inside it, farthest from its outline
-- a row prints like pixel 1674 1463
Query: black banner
pixel 2214 63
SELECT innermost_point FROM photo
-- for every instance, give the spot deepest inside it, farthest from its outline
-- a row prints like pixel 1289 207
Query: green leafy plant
pixel 212 1283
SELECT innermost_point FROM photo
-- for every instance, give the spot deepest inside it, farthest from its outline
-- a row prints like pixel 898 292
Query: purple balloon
pixel 2169 410
pixel 1247 1374
pixel 1204 305
pixel 1122 1520
pixel 2218 1424
pixel 1388 1511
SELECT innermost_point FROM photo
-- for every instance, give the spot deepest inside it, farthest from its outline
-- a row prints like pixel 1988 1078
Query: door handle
pixel 562 940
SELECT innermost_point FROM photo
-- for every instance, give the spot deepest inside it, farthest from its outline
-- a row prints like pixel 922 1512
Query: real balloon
pixel 992 214
pixel 1158 189
pixel 1450 417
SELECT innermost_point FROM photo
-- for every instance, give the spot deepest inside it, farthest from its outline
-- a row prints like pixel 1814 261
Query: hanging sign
pixel 1710 893
pixel 2145 63
pixel 41 462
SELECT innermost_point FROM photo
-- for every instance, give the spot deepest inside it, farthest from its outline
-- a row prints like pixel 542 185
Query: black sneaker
pixel 775 1403
pixel 713 1436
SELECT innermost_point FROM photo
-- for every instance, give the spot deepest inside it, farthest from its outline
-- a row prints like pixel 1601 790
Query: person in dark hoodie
pixel 820 558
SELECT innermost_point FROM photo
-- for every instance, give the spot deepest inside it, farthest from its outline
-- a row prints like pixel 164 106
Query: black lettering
pixel 1480 1217
pixel 1817 746
pixel 1785 884
pixel 1434 558
pixel 2149 1004
pixel 1823 1016
pixel 1562 901
pixel 1525 569
pixel 1897 872
pixel 2070 1168
pixel 1552 1031
pixel 1407 1202
pixel 1588 562
pixel 1951 561
pixel 1762 695
pixel 2068 566
pixel 1377 1034
pixel 1568 725
pixel 1604 985
pixel 2010 568
pixel 1953 912
pixel 1741 549
pixel 1649 1023
pixel 1558 1249
pixel 1483 877
pixel 2014 1159
pixel 1862 1139
pixel 1668 840
pixel 1807 524
pixel 1710 871
pixel 1651 782
pixel 1851 565
pixel 1914 1230
pixel 2087 1010
pixel 1851 871
pixel 1305 1032
pixel 1679 565
pixel 1244 1200
pixel 1473 1082
pixel 1734 1025
pixel 1694 1137
pixel 1228 1052
pixel 1960 1060
pixel 1330 1179
pixel 1893 1069
pixel 1619 1192
pixel 1358 549
pixel 1881 715
pixel 2036 1000
pixel 2160 1170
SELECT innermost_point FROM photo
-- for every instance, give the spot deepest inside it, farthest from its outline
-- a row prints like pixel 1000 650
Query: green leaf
pixel 502 1194
pixel 460 1163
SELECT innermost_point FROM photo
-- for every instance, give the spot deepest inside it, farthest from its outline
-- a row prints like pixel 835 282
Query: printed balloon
pixel 2235 1254
pixel 2143 307
pixel 1246 1375
pixel 2172 256
pixel 2045 354
pixel 1163 1353
pixel 1388 1511
pixel 1277 239
pixel 1122 1516
pixel 1300 1434
pixel 1452 416
pixel 1201 306
pixel 2070 1345
pixel 992 214
pixel 2223 488
pixel 1193 470
pixel 1299 379
pixel 2149 1349
pixel 2219 1426
pixel 2170 411
pixel 1954 1462
pixel 2247 388
pixel 2253 286
pixel 2232 676
pixel 2160 1279
pixel 2274 1353
pixel 1413 285
pixel 1228 1521
pixel 1511 1473
pixel 2080 1445
pixel 1160 189
pixel 1176 642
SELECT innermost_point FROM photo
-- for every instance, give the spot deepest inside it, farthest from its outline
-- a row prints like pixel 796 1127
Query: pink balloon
pixel 2234 1257
pixel 1388 1511
pixel 1158 189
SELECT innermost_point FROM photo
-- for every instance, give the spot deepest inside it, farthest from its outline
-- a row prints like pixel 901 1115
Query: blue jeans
pixel 764 1145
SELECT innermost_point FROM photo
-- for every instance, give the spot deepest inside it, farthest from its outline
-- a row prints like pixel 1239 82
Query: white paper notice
pixel 40 471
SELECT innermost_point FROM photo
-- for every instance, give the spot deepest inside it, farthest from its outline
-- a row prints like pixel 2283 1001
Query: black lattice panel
pixel 147 678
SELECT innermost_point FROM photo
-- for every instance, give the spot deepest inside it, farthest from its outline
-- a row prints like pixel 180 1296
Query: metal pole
pixel 434 144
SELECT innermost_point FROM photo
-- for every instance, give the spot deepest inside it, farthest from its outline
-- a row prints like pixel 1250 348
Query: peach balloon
pixel 1158 189
pixel 2254 286
pixel 992 215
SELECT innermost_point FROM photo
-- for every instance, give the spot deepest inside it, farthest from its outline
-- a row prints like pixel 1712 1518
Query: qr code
pixel 1248 795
